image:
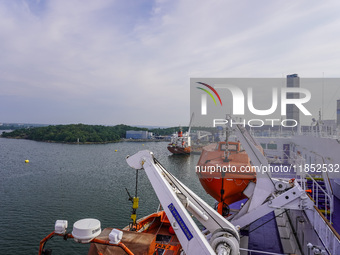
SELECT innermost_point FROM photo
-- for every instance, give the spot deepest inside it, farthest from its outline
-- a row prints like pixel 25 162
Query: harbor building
pixel 132 134
pixel 293 81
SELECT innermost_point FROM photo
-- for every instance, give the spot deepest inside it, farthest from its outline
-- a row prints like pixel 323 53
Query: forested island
pixel 81 133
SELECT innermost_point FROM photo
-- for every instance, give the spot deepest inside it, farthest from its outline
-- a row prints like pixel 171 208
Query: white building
pixel 132 134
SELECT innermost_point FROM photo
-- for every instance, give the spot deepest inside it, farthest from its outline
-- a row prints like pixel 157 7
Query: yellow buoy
pixel 143 144
pixel 27 161
pixel 115 150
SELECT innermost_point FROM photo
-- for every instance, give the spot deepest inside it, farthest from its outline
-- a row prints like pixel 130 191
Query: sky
pixel 130 62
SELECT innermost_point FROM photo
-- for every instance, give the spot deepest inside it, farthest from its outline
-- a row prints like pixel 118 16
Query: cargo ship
pixel 180 143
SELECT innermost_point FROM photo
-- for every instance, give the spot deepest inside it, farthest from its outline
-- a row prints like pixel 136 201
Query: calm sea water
pixel 72 182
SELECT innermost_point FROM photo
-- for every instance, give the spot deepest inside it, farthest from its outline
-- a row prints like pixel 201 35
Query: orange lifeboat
pixel 152 235
pixel 224 173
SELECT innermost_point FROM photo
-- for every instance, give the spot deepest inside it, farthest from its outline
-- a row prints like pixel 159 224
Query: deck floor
pixel 336 215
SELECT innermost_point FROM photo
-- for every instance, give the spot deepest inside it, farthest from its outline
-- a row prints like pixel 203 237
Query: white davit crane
pixel 268 193
pixel 222 237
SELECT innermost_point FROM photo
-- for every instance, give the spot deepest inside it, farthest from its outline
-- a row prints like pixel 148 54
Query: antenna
pixel 323 76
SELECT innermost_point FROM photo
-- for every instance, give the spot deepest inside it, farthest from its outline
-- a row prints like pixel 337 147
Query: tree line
pixel 80 133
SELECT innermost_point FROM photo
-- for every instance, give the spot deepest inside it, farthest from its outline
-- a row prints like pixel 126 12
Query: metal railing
pixel 315 191
pixel 279 156
pixel 255 252
pixel 328 236
pixel 334 134
pixel 301 176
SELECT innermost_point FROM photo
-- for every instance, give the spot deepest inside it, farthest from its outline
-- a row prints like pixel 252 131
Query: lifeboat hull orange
pixel 221 174
pixel 233 189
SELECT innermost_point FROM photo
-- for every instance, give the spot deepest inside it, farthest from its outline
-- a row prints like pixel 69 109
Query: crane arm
pixel 176 199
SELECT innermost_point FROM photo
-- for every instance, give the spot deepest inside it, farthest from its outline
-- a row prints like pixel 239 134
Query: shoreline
pixel 89 143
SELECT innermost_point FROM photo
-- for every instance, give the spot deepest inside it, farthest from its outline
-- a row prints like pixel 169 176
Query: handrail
pixel 326 233
pixel 325 175
pixel 277 133
pixel 316 188
pixel 273 153
pixel 328 224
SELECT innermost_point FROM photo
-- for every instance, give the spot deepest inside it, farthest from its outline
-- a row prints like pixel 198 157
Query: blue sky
pixel 111 62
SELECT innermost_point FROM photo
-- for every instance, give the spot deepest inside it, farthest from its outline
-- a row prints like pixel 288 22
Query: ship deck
pixel 292 174
pixel 336 215
pixel 267 224
pixel 260 228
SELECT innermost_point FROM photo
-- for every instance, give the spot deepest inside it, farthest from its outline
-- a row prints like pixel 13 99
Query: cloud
pixel 110 62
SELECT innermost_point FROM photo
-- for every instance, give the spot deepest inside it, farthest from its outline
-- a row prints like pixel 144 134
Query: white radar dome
pixel 85 230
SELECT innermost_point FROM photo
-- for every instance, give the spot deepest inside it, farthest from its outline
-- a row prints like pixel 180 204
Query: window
pixel 232 147
pixel 272 146
pixel 222 147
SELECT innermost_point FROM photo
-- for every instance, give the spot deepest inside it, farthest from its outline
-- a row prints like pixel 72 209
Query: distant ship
pixel 180 143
